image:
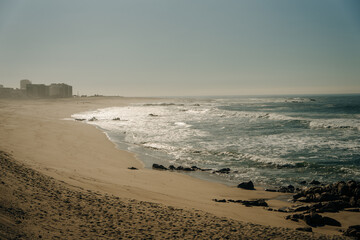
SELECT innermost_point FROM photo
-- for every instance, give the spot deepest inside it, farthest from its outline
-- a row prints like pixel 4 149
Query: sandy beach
pixel 64 179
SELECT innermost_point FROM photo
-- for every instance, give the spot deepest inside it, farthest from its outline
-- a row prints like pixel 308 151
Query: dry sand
pixel 76 160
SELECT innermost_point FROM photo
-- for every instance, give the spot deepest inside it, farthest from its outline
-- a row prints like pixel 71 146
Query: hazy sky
pixel 183 47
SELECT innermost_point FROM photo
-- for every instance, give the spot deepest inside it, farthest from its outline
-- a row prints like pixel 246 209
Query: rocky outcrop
pixel 343 194
pixel 353 231
pixel 334 197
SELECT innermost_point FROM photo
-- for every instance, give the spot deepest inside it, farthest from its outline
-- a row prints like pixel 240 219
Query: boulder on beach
pixel 247 185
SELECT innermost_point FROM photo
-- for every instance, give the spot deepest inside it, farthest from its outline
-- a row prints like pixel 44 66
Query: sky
pixel 183 47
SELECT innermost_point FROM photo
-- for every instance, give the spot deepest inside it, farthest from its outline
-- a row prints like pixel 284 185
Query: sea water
pixel 272 141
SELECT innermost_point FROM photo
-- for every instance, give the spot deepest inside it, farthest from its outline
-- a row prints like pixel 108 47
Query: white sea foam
pixel 203 133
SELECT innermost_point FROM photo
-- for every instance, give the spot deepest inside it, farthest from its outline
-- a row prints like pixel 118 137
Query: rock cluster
pixel 179 168
pixel 353 231
pixel 334 197
pixel 344 194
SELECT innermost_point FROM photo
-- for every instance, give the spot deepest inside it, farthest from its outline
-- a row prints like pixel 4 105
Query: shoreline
pixel 78 213
pixel 80 155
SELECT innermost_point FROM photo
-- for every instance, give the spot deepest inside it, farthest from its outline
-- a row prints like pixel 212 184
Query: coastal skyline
pixel 172 48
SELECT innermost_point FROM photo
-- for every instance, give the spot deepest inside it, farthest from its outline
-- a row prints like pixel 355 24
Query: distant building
pixel 37 90
pixel 60 90
pixel 23 83
pixel 11 93
pixel 29 90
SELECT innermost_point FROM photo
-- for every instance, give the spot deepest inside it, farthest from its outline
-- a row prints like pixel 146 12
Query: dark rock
pixel 188 169
pixel 303 199
pixel 270 190
pixel 220 200
pixel 353 202
pixel 195 168
pixel 172 167
pixel 258 203
pixel 314 220
pixel 116 119
pixel 352 209
pixel 335 205
pixel 315 182
pixel 327 197
pixel 297 196
pixel 180 168
pixel 153 115
pixel 132 168
pixel 302 182
pixel 288 189
pixel 357 192
pixel 351 184
pixel 304 229
pixel 223 170
pixel 295 217
pixel 247 185
pixel 206 169
pixel 93 119
pixel 301 209
pixel 353 231
pixel 331 222
pixel 342 188
pixel 158 167
pixel 80 119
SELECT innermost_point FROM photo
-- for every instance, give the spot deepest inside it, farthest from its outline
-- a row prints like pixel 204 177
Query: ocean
pixel 272 141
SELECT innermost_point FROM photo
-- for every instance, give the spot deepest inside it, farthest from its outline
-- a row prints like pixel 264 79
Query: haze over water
pixel 269 140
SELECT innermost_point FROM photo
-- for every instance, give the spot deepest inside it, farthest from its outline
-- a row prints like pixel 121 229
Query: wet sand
pixel 69 159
